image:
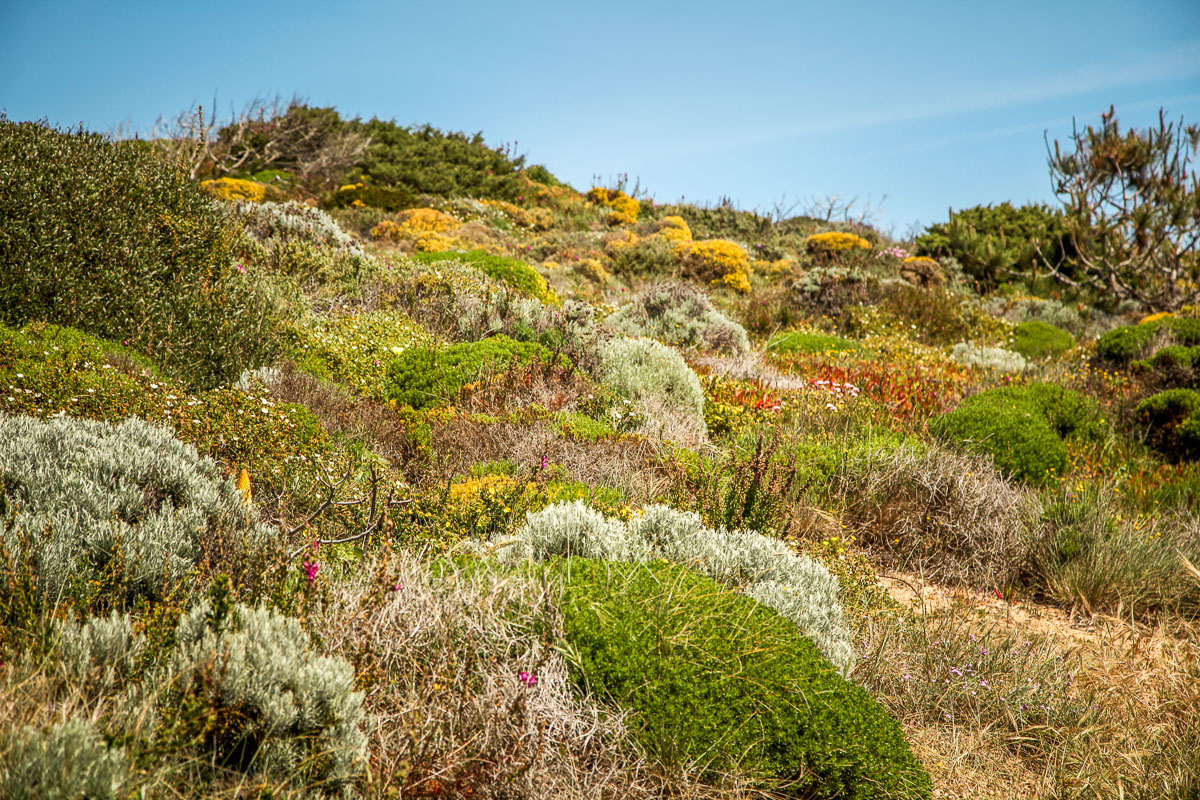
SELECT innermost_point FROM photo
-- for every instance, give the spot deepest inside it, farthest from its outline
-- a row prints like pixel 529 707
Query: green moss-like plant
pixel 1128 342
pixel 510 271
pixel 1172 424
pixel 714 678
pixel 1037 339
pixel 423 377
pixel 802 342
pixel 1022 428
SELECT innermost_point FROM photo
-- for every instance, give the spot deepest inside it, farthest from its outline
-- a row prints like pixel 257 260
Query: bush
pixel 126 509
pixel 276 706
pixel 68 761
pixel 1172 424
pixel 659 384
pixel 1128 342
pixel 357 195
pixel 107 238
pixel 997 358
pixel 997 243
pixel 510 271
pixel 296 222
pixel 354 349
pixel 802 342
pixel 423 378
pixel 715 261
pixel 679 314
pixel 1022 428
pixel 797 587
pixel 1036 339
pixel 713 678
pixel 833 244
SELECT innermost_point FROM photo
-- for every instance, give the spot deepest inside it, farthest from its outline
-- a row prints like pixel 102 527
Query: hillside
pixel 343 458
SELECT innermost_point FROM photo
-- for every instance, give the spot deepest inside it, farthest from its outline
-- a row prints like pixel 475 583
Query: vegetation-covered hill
pixel 340 458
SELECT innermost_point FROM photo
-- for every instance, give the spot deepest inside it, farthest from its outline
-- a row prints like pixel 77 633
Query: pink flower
pixel 397 587
pixel 240 267
pixel 543 463
pixel 527 678
pixel 310 571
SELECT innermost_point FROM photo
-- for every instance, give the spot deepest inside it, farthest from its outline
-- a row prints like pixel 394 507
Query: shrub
pixel 713 678
pixel 1128 342
pixel 997 243
pixel 625 208
pixel 1037 339
pixel 715 261
pixel 100 651
pixel 832 244
pixel 296 222
pixel 802 342
pixel 660 385
pixel 236 190
pixel 679 314
pixel 510 271
pixel 127 508
pixel 1022 428
pixel 278 707
pixel 794 585
pixel 997 358
pixel 387 198
pixel 1172 424
pixel 422 378
pixel 107 238
pixel 673 229
pixel 68 761
pixel 354 349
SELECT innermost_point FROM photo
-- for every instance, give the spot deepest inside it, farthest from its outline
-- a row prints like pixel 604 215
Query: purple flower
pixel 240 267
pixel 310 571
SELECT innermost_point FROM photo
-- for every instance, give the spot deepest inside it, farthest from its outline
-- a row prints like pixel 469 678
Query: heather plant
pixel 799 588
pixel 67 761
pixel 117 511
pixel 280 707
pixel 661 386
pixel 716 680
pixel 679 314
pixel 106 237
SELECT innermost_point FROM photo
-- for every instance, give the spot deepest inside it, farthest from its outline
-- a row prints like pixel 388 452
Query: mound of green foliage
pixel 1172 424
pixel 1128 342
pixel 997 243
pixel 423 378
pixel 106 237
pixel 679 314
pixel 802 342
pixel 68 761
pixel 714 678
pixel 511 271
pixel 1022 428
pixel 382 197
pixel 1037 339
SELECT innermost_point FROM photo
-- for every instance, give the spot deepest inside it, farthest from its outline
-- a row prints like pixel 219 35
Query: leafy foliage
pixel 679 314
pixel 1037 339
pixel 511 271
pixel 1173 427
pixel 716 679
pixel 68 761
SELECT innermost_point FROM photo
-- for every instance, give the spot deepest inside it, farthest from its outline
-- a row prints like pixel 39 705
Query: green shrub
pixel 997 243
pixel 276 706
pixel 423 377
pixel 659 384
pixel 1172 424
pixel 802 342
pixel 111 512
pixel 1036 339
pixel 354 349
pixel 1173 356
pixel 679 314
pixel 391 199
pixel 713 678
pixel 68 761
pixel 511 271
pixel 1022 428
pixel 1129 342
pixel 796 586
pixel 108 238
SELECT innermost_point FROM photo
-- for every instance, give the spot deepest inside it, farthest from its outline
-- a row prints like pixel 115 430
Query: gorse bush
pixel 280 708
pixel 68 761
pixel 660 385
pixel 1022 428
pixel 107 238
pixel 716 680
pixel 112 512
pixel 422 377
pixel 794 585
pixel 679 314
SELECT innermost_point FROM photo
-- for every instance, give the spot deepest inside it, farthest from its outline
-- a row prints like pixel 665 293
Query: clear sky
pixel 931 104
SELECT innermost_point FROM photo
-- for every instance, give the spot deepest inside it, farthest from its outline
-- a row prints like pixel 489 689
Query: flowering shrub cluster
pixel 716 260
pixel 236 190
pixel 831 244
pixel 625 209
pixel 425 228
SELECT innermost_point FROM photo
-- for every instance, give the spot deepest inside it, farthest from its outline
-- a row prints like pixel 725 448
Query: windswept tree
pixel 1132 212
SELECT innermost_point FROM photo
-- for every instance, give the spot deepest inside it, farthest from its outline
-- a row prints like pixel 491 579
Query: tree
pixel 1132 212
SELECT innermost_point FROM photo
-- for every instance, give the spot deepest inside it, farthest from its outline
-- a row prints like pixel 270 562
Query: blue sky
pixel 931 104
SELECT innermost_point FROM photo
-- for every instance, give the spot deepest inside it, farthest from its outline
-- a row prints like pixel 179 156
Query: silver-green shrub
pixel 100 651
pixel 296 222
pixel 298 707
pixel 996 358
pixel 68 761
pixel 660 384
pixel 796 586
pixel 89 495
pixel 680 314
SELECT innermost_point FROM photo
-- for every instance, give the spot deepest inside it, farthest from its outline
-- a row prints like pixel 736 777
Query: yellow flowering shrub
pixel 625 208
pixel 833 243
pixel 673 229
pixel 922 261
pixel 775 269
pixel 424 228
pixel 236 190
pixel 593 270
pixel 1155 317
pixel 738 281
pixel 427 220
pixel 538 219
pixel 619 240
